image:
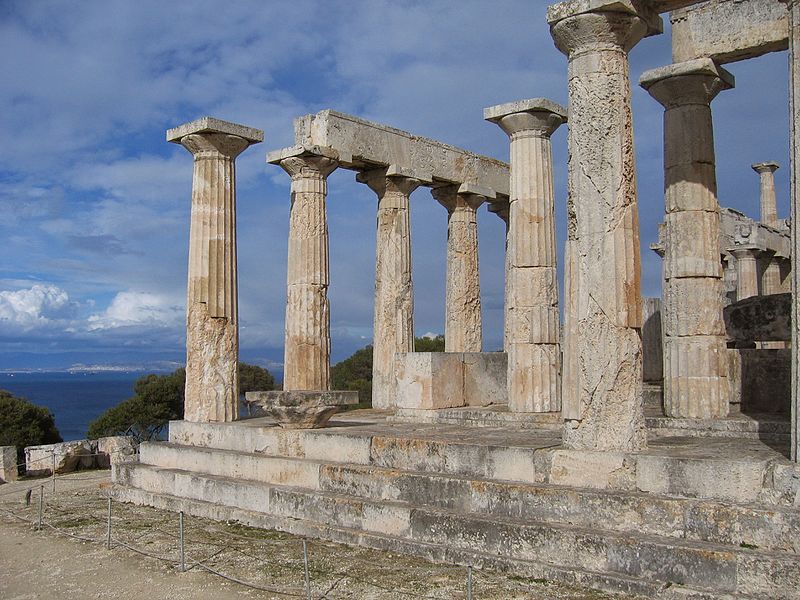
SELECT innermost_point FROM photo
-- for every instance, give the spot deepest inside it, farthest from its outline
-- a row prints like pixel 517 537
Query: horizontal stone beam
pixel 729 30
pixel 362 145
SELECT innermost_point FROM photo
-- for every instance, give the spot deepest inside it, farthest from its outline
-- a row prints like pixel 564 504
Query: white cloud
pixel 134 309
pixel 33 307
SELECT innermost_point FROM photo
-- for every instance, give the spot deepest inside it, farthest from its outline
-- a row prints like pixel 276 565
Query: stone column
pixel 393 328
pixel 502 209
pixel 463 330
pixel 534 350
pixel 794 156
pixel 746 272
pixel 769 205
pixel 695 372
pixel 307 346
pixel 771 274
pixel 212 319
pixel 602 392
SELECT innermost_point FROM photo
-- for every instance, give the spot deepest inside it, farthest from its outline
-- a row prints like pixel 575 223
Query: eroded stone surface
pixel 760 318
pixel 69 456
pixel 8 464
pixel 297 409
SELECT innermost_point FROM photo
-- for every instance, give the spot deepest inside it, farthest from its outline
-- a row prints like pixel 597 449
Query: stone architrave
pixel 746 272
pixel 393 326
pixel 463 330
pixel 602 379
pixel 794 156
pixel 693 279
pixel 769 204
pixel 308 338
pixel 212 315
pixel 533 345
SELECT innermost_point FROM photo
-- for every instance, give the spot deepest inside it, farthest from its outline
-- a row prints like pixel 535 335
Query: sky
pixel 95 203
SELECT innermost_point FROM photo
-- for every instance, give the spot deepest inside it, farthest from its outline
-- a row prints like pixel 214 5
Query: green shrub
pixel 23 423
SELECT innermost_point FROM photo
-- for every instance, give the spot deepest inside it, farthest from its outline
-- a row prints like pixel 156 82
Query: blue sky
pixel 95 204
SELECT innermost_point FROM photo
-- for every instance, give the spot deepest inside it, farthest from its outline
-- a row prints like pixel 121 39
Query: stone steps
pixel 630 511
pixel 567 552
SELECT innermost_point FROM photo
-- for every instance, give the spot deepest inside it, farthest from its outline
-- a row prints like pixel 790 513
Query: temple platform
pixel 693 516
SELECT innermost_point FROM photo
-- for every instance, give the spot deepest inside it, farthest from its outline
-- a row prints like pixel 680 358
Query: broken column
pixel 463 330
pixel 393 328
pixel 308 338
pixel 212 319
pixel 602 380
pixel 533 346
pixel 695 372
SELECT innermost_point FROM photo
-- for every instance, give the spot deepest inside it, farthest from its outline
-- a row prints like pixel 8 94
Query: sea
pixel 75 399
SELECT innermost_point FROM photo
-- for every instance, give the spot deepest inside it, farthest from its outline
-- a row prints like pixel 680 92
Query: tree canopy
pixel 23 423
pixel 355 372
pixel 159 399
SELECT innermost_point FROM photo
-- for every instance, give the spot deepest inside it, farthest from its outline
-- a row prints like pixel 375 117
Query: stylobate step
pixel 698 565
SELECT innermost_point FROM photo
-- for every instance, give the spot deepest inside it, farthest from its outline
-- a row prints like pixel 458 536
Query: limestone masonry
pixel 644 445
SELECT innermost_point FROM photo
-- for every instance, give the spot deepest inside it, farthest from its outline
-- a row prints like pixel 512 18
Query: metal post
pixel 305 564
pixel 183 563
pixel 54 471
pixel 41 499
pixel 108 529
pixel 469 582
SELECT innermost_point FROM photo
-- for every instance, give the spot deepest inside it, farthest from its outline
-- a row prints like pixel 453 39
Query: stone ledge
pixel 212 125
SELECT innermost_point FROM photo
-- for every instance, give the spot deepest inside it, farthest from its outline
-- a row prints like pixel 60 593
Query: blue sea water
pixel 75 399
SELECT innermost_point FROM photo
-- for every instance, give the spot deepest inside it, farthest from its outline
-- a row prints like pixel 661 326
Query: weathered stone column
pixel 794 156
pixel 307 346
pixel 212 316
pixel 602 395
pixel 534 351
pixel 503 210
pixel 769 204
pixel 695 373
pixel 463 331
pixel 393 328
pixel 746 272
pixel 771 274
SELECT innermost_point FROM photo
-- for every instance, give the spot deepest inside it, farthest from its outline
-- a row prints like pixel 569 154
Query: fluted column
pixel 307 346
pixel 393 328
pixel 502 208
pixel 771 274
pixel 793 7
pixel 746 272
pixel 463 330
pixel 695 371
pixel 769 204
pixel 212 316
pixel 602 393
pixel 534 353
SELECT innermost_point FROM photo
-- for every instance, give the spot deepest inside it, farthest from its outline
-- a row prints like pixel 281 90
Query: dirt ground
pixel 68 557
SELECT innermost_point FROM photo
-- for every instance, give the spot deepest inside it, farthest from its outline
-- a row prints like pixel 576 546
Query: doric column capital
pixel 766 167
pixel 212 138
pixel 536 117
pixel 391 179
pixel 502 208
pixel 745 252
pixel 581 25
pixel 691 82
pixel 452 198
pixel 301 162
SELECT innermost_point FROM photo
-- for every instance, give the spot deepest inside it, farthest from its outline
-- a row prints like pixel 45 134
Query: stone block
pixel 759 319
pixel 8 464
pixel 693 307
pixel 485 378
pixel 430 380
pixel 598 470
pixel 111 450
pixel 764 380
pixel 69 456
pixel 693 248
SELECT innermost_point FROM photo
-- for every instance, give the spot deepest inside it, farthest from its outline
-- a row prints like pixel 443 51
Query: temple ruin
pixel 638 444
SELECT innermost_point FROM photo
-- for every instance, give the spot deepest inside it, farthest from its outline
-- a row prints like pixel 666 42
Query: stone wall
pixel 77 455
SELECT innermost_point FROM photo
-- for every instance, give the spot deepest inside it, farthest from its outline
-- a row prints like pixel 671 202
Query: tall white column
pixel 602 382
pixel 212 315
pixel 463 329
pixel 307 346
pixel 533 345
pixel 695 355
pixel 769 204
pixel 393 329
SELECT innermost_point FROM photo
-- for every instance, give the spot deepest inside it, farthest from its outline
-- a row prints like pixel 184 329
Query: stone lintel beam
pixel 363 146
pixel 642 9
pixel 212 309
pixel 729 31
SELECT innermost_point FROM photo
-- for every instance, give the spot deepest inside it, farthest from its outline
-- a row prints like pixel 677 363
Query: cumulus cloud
pixel 33 307
pixel 130 309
